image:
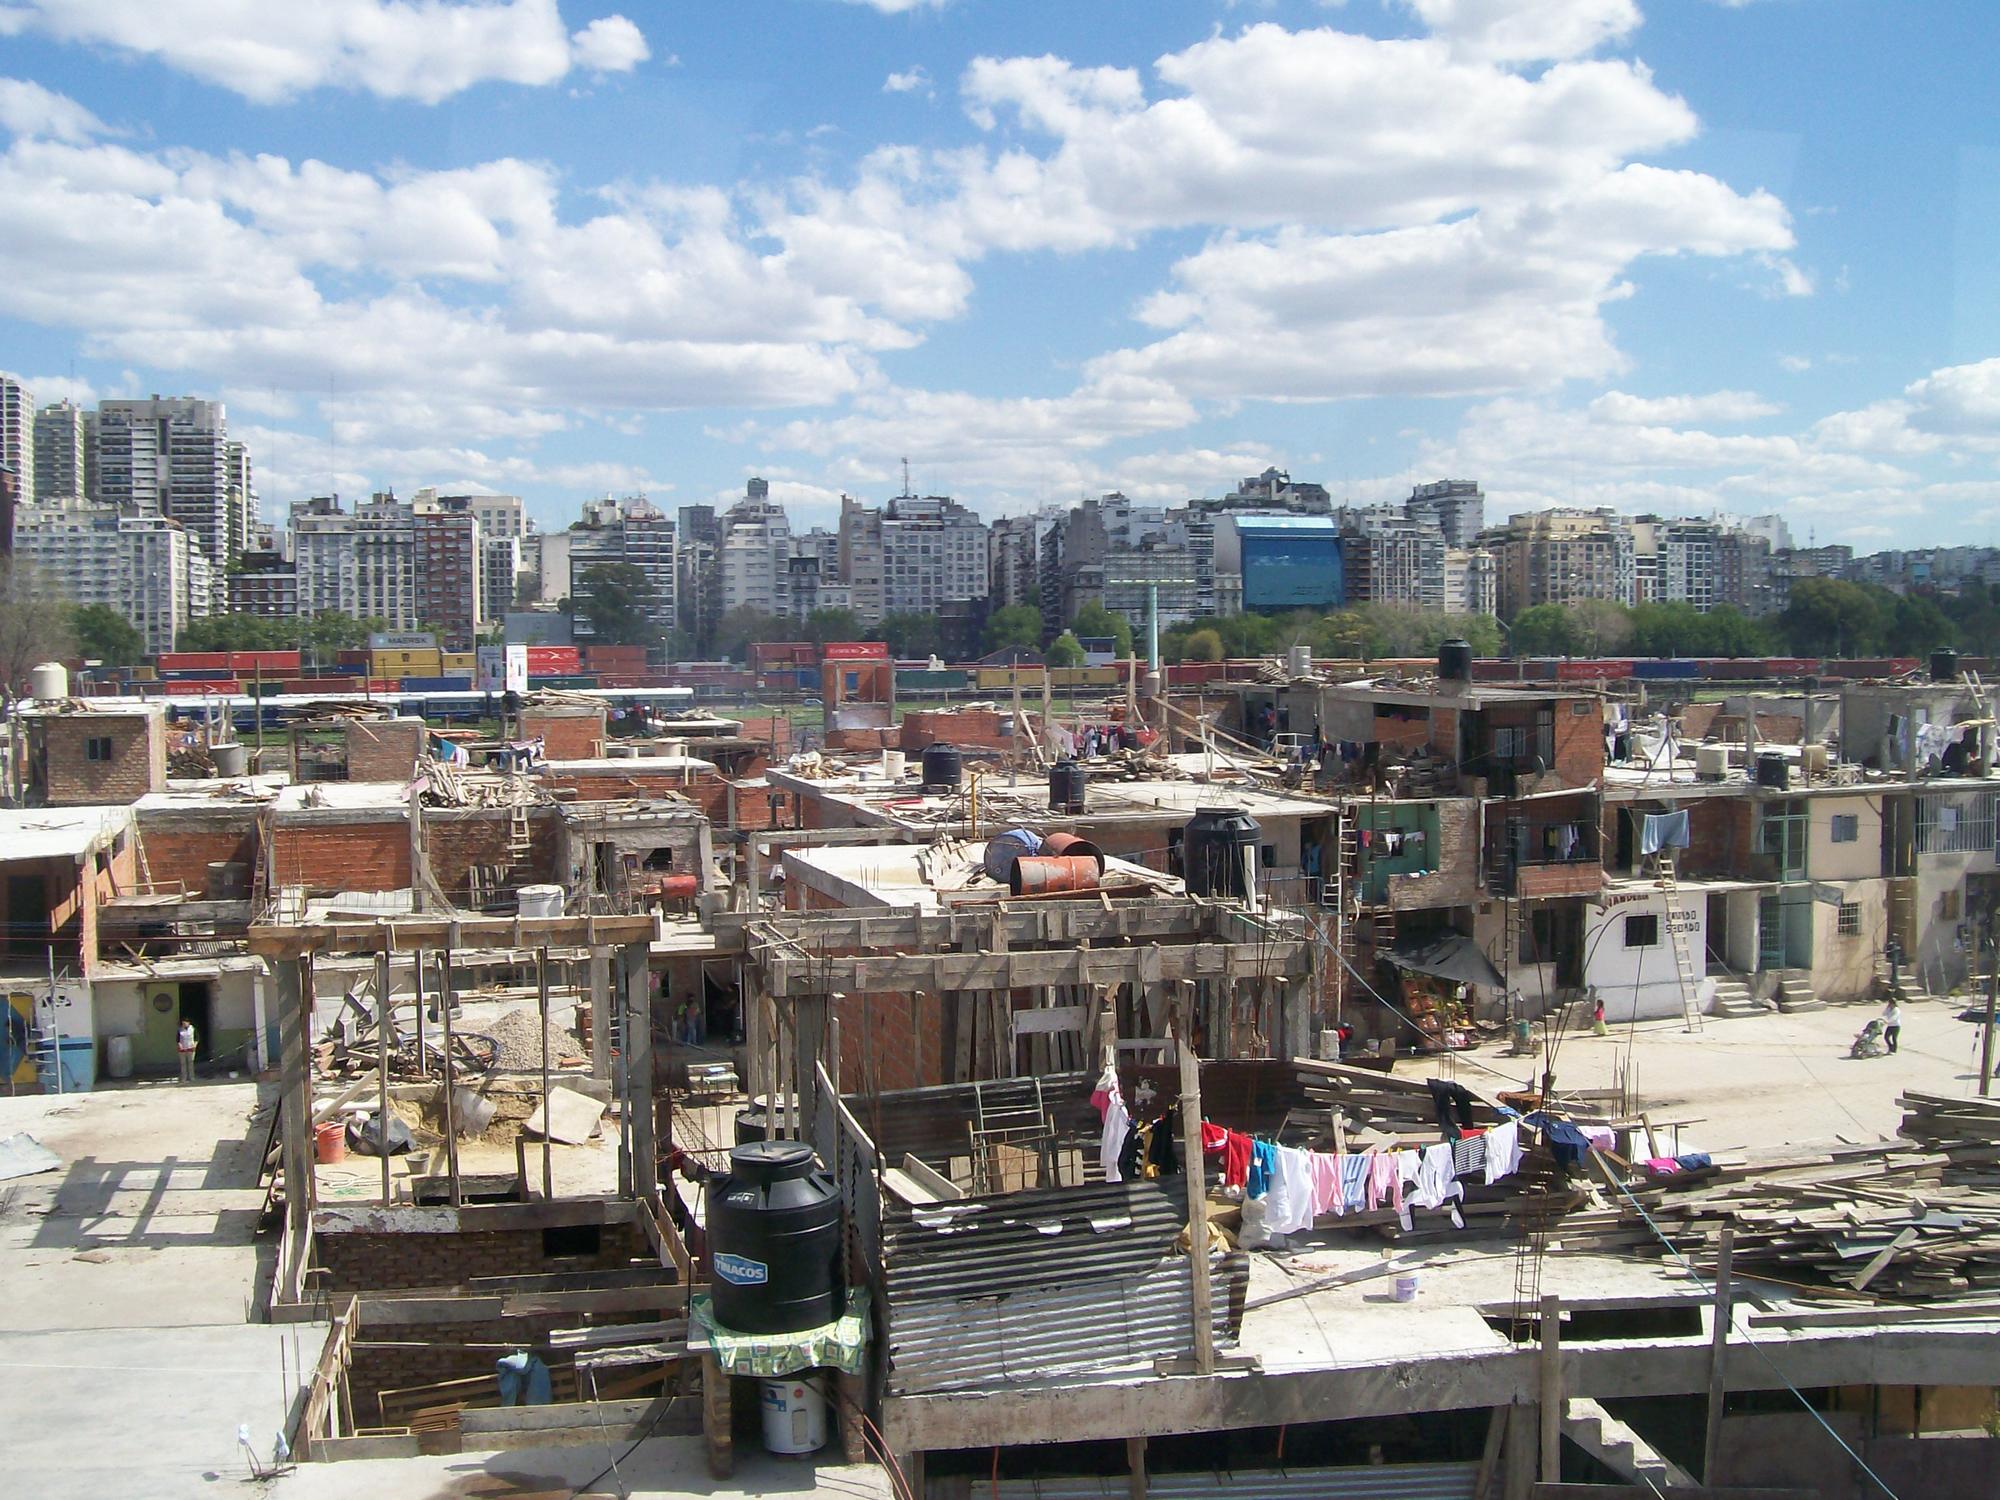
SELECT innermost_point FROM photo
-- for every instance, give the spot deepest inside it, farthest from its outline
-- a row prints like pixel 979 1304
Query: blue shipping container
pixel 1664 668
pixel 457 683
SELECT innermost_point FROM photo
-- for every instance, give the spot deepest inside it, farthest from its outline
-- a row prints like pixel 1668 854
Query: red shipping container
pixel 208 687
pixel 270 663
pixel 193 661
pixel 855 651
pixel 553 661
pixel 1591 671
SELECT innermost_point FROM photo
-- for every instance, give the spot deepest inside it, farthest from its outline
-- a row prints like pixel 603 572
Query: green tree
pixel 1543 630
pixel 104 635
pixel 1014 625
pixel 1095 620
pixel 830 624
pixel 238 633
pixel 1831 617
pixel 1064 651
pixel 620 605
pixel 1601 625
pixel 912 634
pixel 743 626
pixel 33 627
pixel 1201 645
pixel 1733 633
pixel 1670 629
pixel 1917 627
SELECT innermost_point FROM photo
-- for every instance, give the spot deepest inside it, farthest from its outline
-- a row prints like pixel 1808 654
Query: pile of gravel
pixel 518 1037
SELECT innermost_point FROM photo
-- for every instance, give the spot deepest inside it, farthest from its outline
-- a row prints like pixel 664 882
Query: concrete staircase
pixel 1619 1448
pixel 1734 999
pixel 1795 993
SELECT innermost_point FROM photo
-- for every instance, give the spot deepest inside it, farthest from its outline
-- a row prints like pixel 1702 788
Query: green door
pixel 153 1048
pixel 1770 933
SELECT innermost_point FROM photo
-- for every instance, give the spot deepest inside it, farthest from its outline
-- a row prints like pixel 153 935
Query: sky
pixel 1688 257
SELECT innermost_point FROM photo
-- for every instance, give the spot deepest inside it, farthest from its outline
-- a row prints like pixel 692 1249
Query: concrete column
pixel 600 1012
pixel 635 992
pixel 291 986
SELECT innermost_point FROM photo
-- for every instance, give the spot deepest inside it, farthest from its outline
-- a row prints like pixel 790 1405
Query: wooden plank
pixel 1888 1253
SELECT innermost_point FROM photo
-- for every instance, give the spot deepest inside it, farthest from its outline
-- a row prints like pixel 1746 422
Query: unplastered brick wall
pixel 890 1041
pixel 455 841
pixel 181 847
pixel 94 758
pixel 1579 741
pixel 371 854
pixel 352 1261
pixel 397 1356
pixel 383 749
pixel 565 733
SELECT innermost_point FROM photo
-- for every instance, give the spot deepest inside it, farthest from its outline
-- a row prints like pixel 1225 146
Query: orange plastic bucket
pixel 330 1141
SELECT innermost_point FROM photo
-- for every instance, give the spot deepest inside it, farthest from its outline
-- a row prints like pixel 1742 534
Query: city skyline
pixel 1621 263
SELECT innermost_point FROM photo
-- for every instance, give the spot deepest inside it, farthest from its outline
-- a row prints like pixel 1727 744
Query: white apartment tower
pixel 170 457
pixel 143 566
pixel 17 434
pixel 756 551
pixel 323 557
pixel 59 453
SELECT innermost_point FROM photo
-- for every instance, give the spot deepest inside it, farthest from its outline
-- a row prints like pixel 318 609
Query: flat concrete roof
pixel 58 832
pixel 612 764
pixel 901 875
pixel 320 796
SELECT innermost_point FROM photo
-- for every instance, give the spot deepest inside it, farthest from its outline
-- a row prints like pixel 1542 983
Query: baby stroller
pixel 1869 1042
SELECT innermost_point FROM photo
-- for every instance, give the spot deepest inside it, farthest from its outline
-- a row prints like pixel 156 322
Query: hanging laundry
pixel 1263 1167
pixel 1288 1206
pixel 1414 841
pixel 1449 1099
pixel 1383 1183
pixel 1567 1142
pixel 1132 1155
pixel 1437 1183
pixel 1326 1195
pixel 1163 1158
pixel 1355 1171
pixel 1664 831
pixel 1468 1155
pixel 1409 1165
pixel 1213 1138
pixel 1503 1150
pixel 1117 1124
pixel 1601 1137
pixel 1236 1153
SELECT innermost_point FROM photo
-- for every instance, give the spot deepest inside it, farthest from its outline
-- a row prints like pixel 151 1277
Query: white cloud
pixel 910 81
pixel 610 44
pixel 425 50
pixel 1717 406
pixel 29 109
pixel 1795 364
pixel 1516 31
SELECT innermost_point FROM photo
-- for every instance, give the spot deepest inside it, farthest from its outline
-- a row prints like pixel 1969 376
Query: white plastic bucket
pixel 892 765
pixel 794 1415
pixel 1407 1286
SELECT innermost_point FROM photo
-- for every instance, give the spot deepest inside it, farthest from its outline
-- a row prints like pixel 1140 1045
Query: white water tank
pixel 48 681
pixel 1711 762
pixel 794 1415
pixel 540 901
pixel 1299 661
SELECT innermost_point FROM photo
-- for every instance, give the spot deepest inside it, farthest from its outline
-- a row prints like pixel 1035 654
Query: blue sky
pixel 1693 256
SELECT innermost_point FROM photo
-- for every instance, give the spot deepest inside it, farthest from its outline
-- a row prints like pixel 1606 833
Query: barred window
pixel 1955 823
pixel 1850 919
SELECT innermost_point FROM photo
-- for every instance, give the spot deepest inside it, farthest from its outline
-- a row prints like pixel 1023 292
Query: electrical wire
pixel 1759 1349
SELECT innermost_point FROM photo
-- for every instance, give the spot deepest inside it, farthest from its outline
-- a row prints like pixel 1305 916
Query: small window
pixel 1642 932
pixel 1267 856
pixel 97 747
pixel 1846 828
pixel 1850 919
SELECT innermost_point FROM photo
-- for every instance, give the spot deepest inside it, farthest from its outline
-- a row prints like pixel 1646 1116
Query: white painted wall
pixel 1643 983
pixel 1859 860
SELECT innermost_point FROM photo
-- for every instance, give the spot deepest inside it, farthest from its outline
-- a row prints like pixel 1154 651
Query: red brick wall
pixel 1444 733
pixel 1579 741
pixel 1718 837
pixel 358 856
pixel 357 1261
pixel 978 727
pixel 890 1041
pixel 383 749
pixel 138 763
pixel 617 784
pixel 178 849
pixel 454 843
pixel 1406 735
pixel 565 736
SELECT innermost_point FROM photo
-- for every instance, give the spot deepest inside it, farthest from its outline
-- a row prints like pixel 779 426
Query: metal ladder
pixel 1690 977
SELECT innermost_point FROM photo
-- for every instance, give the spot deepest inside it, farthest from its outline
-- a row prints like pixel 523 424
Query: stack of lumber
pixel 1851 1222
pixel 1967 1131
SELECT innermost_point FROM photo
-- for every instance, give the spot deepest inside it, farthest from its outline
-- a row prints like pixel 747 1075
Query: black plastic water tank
pixel 1944 666
pixel 1773 770
pixel 1455 661
pixel 774 1240
pixel 1212 850
pixel 944 768
pixel 1067 783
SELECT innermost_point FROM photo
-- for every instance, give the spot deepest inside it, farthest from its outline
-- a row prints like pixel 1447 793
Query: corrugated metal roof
pixel 1028 1241
pixel 1109 1323
pixel 1369 1482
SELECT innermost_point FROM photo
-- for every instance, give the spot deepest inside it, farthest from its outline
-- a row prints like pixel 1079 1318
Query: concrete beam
pixel 1151 1407
pixel 408 936
pixel 906 973
pixel 1025 925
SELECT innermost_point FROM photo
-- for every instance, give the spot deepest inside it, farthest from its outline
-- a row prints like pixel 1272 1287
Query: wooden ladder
pixel 520 838
pixel 1689 976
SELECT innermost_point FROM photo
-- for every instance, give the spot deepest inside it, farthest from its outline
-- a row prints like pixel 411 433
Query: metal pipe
pixel 542 994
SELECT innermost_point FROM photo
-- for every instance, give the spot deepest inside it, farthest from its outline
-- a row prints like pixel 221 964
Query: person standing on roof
pixel 185 1044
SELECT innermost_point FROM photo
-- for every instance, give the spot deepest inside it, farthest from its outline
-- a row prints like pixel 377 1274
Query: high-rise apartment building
pixel 59 453
pixel 1675 562
pixel 632 532
pixel 447 560
pixel 323 557
pixel 1743 572
pixel 698 586
pixel 1393 558
pixel 170 456
pixel 921 552
pixel 1014 558
pixel 1562 556
pixel 17 435
pixel 1471 581
pixel 503 531
pixel 264 584
pixel 243 516
pixel 143 566
pixel 385 562
pixel 756 551
pixel 1456 507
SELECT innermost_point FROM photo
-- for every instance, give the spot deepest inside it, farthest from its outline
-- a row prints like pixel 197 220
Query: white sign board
pixel 502 669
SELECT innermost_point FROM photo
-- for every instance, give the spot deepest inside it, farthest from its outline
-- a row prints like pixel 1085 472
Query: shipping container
pixel 1593 671
pixel 854 651
pixel 184 661
pixel 924 680
pixel 443 683
pixel 270 663
pixel 1652 669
